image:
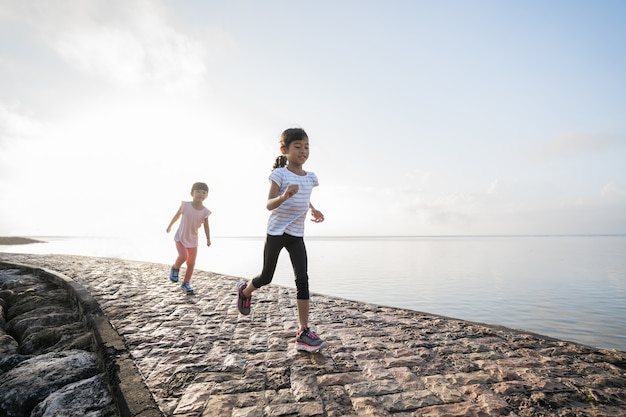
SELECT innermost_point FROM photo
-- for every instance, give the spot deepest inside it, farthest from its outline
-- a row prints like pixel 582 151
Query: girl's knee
pixel 302 288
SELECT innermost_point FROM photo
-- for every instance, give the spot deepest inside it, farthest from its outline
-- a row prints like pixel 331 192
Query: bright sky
pixel 424 117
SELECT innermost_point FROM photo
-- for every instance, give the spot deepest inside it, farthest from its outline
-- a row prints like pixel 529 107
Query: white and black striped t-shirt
pixel 290 215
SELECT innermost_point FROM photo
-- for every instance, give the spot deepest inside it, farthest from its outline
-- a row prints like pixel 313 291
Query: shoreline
pixel 18 240
pixel 198 354
pixel 441 289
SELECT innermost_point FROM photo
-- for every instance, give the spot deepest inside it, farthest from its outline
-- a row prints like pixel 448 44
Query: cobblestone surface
pixel 199 357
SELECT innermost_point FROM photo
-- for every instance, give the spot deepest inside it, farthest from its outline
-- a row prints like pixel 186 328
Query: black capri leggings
pixel 297 253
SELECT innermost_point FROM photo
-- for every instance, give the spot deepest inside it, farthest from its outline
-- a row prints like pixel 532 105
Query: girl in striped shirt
pixel 289 201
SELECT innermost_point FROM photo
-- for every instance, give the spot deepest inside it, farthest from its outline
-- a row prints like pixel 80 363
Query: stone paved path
pixel 199 357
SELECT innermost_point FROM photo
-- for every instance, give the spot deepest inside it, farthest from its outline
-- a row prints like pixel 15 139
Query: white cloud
pixel 613 192
pixel 131 43
pixel 577 143
pixel 14 124
pixel 418 177
pixel 131 56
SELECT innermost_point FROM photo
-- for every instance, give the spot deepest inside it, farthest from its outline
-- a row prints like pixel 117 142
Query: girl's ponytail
pixel 281 161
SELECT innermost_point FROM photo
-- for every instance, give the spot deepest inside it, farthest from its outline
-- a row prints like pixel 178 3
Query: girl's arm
pixel 207 232
pixel 274 200
pixel 318 217
pixel 174 220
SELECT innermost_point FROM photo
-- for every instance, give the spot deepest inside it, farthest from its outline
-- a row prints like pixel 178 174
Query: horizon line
pixel 354 236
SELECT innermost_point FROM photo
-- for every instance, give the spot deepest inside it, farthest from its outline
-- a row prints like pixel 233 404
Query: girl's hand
pixel 290 191
pixel 318 217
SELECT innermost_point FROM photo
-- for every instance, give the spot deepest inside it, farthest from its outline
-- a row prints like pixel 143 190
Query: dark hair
pixel 286 138
pixel 199 186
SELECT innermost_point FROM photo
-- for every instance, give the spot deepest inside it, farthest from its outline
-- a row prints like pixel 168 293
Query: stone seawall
pixel 59 354
pixel 199 357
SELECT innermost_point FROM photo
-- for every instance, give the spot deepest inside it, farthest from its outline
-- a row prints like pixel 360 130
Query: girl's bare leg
pixel 303 313
pixel 248 290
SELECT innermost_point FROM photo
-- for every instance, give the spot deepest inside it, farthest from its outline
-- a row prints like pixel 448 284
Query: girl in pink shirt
pixel 193 214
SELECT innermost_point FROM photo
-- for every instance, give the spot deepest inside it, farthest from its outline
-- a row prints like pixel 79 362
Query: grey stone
pixel 82 398
pixel 31 381
pixel 57 338
pixel 8 345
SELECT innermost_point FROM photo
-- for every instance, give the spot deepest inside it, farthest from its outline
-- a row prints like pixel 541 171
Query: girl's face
pixel 297 152
pixel 199 195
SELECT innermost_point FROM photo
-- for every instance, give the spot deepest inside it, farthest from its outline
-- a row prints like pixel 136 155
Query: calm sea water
pixel 568 287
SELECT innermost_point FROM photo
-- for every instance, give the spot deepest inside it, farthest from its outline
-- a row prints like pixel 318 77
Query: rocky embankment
pixel 48 356
pixel 59 355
